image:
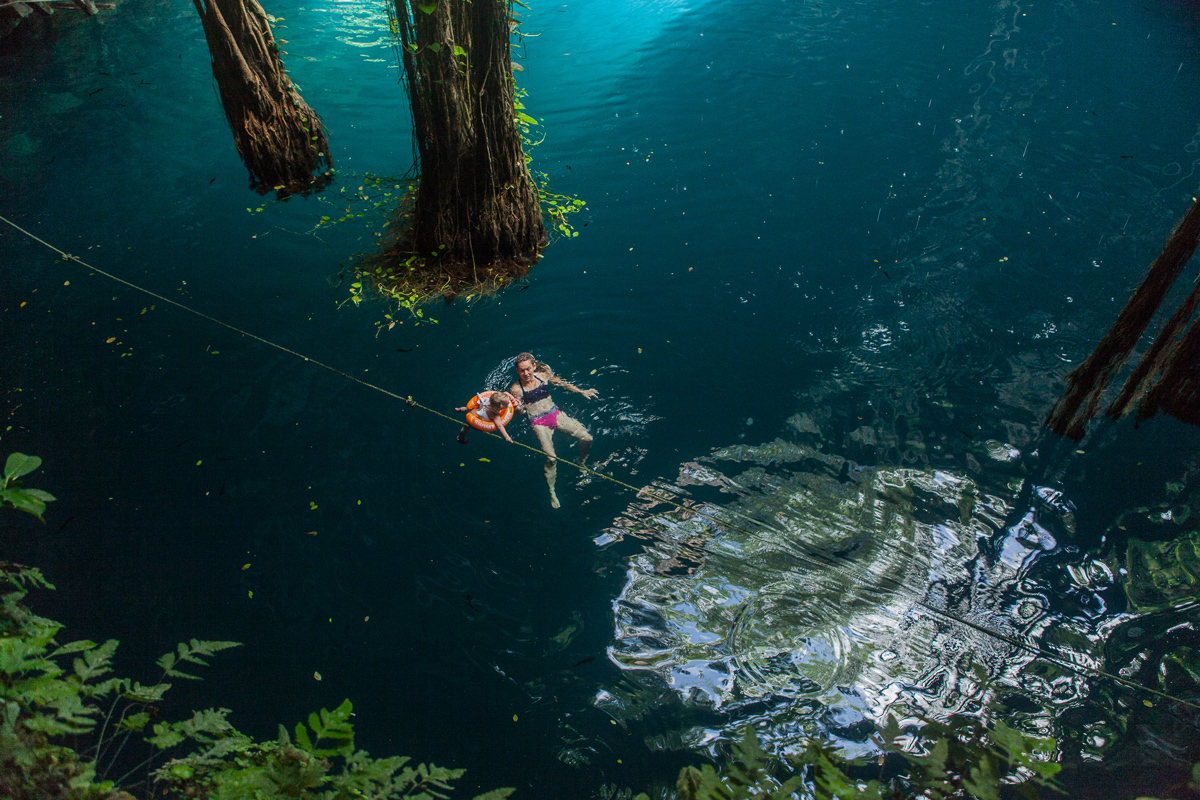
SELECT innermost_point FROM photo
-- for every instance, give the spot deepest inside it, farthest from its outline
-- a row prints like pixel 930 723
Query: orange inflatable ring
pixel 479 423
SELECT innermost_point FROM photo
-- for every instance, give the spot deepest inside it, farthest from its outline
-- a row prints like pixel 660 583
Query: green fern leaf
pixel 95 662
pixel 302 739
pixel 165 736
pixel 135 722
pixel 146 694
pixel 74 647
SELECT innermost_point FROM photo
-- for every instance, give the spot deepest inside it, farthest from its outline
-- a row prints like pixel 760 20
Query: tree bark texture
pixel 1157 359
pixel 476 205
pixel 1087 383
pixel 280 139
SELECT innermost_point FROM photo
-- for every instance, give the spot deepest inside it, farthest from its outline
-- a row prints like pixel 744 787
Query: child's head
pixel 499 400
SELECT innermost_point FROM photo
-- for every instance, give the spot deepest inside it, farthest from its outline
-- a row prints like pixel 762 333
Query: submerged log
pixel 1087 383
pixel 280 139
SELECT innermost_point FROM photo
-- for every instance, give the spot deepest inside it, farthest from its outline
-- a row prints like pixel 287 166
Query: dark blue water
pixel 836 261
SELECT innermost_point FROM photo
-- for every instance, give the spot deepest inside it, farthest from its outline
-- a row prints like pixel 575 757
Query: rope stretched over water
pixel 868 578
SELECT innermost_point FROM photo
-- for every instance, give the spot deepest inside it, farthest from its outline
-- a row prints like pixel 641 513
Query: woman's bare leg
pixel 545 437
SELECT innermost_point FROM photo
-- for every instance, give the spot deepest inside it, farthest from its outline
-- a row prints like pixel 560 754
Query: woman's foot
pixel 461 438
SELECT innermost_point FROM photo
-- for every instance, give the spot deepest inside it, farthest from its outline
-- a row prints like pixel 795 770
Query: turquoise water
pixel 836 261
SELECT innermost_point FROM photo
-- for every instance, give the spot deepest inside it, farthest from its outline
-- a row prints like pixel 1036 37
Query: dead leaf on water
pixel 110 340
pixel 245 566
pixel 316 676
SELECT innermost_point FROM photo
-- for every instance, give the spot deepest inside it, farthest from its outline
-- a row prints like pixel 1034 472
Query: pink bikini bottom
pixel 548 420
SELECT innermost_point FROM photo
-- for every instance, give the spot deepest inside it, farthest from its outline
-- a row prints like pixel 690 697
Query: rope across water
pixel 815 560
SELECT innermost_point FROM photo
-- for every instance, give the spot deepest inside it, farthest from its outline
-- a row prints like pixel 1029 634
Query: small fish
pixel 469 603
pixel 223 458
pixel 569 167
pixel 969 436
pixel 101 89
pixel 523 288
pixel 185 441
pixel 1126 156
pixel 214 180
pixel 583 661
pixel 341 277
pixel 222 492
pixel 884 271
pixel 404 349
pixel 66 522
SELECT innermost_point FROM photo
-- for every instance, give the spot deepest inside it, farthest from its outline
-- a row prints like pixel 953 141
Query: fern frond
pixel 95 662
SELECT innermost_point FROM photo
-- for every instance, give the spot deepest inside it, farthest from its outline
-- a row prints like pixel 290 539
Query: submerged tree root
pixel 280 139
pixel 411 280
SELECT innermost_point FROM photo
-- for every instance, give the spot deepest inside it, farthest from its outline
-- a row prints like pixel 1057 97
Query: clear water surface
pixel 836 260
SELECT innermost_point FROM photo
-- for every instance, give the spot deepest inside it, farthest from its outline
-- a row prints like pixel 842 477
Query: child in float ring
pixel 492 409
pixel 532 394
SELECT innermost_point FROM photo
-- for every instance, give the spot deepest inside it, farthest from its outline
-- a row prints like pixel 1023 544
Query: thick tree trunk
pixel 280 139
pixel 477 207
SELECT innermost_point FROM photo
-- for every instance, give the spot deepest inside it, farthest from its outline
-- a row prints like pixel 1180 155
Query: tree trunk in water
pixel 477 208
pixel 280 139
pixel 1158 358
pixel 1086 384
pixel 1178 391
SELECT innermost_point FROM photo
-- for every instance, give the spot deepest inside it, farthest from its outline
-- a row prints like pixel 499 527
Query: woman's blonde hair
pixel 540 366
